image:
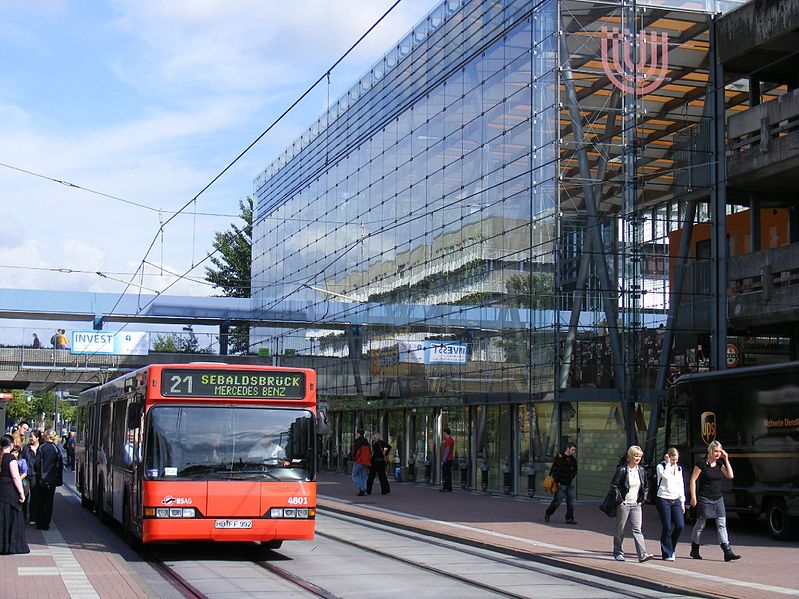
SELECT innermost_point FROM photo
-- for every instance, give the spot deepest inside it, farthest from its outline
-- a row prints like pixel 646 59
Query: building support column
pixel 608 290
pixel 588 250
pixel 718 205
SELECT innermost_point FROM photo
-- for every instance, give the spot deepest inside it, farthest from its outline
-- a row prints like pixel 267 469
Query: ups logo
pixel 708 423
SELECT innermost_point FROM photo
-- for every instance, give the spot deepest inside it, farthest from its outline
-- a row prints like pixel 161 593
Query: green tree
pixel 172 343
pixel 232 269
pixel 19 407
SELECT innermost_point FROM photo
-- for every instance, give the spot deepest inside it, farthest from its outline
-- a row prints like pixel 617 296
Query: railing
pixel 762 125
pixel 764 272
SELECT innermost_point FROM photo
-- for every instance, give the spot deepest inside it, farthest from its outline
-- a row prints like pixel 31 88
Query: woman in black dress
pixel 705 489
pixel 380 450
pixel 12 496
pixel 31 506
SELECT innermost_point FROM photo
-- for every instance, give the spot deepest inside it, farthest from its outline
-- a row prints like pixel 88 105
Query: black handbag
pixel 611 502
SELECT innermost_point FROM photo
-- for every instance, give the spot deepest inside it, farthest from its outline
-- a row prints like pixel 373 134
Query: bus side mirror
pixel 134 416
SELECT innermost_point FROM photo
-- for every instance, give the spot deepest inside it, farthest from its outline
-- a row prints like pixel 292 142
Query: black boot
pixel 695 551
pixel 728 554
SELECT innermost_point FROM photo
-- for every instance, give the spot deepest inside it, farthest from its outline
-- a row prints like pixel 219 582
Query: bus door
pixel 135 427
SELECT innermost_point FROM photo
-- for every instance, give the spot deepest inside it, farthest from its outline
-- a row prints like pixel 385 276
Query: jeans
pixel 633 514
pixel 672 522
pixel 359 474
pixel 570 493
pixel 446 474
pixel 714 509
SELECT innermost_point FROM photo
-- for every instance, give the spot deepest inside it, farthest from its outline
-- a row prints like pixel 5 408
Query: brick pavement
pixel 768 567
pixel 78 558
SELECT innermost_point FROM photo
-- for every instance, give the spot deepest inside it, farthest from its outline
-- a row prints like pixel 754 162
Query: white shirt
pixel 633 484
pixel 272 452
pixel 670 482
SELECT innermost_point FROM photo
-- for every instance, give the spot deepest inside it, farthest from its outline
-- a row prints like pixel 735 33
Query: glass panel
pixel 258 444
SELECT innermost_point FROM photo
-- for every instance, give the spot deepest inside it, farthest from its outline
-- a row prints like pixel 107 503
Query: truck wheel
pixel 780 525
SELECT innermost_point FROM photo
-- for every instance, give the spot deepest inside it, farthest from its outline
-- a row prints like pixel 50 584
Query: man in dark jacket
pixel 49 475
pixel 564 469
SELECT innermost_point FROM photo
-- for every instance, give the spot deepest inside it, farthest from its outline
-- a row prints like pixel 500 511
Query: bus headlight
pixel 171 512
pixel 291 512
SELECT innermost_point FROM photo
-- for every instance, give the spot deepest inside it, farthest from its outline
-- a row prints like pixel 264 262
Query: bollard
pixel 484 476
pixel 506 485
pixel 427 469
pixel 412 471
pixel 463 467
pixel 530 479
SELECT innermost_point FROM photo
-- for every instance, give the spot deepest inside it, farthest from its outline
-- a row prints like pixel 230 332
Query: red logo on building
pixel 648 74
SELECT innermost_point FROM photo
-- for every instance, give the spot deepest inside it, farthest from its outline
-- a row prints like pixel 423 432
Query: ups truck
pixel 754 413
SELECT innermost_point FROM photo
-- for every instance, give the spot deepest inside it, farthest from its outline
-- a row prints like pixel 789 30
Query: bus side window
pixel 120 434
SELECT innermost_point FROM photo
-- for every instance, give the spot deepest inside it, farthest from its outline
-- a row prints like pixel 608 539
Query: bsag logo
pixel 169 500
pixel 708 423
pixel 646 76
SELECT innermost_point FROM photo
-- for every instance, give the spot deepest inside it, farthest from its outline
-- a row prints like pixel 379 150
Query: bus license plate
pixel 233 524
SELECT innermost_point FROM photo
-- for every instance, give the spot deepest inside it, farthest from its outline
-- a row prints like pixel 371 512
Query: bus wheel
pixel 780 525
pixel 127 526
pixel 271 544
pixel 104 519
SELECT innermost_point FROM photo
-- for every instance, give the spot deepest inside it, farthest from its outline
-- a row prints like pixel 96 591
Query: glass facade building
pixel 483 233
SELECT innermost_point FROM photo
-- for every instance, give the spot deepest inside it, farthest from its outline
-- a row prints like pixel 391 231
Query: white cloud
pixel 194 82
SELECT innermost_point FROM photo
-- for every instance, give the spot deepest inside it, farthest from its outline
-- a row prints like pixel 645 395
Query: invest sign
pixel 619 64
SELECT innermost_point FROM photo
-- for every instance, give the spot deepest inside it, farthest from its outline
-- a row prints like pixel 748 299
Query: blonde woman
pixel 705 491
pixel 630 480
pixel 670 503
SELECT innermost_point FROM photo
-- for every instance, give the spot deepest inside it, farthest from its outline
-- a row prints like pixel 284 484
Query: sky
pixel 136 105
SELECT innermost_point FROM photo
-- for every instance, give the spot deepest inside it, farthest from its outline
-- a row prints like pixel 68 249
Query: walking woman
pixel 12 496
pixel 380 451
pixel 29 455
pixel 630 480
pixel 670 503
pixel 705 490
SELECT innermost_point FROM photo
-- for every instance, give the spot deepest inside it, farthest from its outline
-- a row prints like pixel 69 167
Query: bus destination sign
pixel 198 382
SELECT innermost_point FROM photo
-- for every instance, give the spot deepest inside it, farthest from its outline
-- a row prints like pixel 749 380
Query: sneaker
pixel 546 516
pixel 669 559
pixel 572 521
pixel 618 557
pixel 361 493
pixel 646 558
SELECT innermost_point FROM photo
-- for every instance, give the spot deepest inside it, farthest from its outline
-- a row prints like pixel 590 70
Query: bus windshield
pixel 229 443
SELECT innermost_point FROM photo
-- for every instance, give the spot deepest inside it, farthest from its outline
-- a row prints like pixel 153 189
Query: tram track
pixel 420 536
pixel 188 590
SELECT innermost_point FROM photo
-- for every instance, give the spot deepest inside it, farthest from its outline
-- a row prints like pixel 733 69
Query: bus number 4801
pixel 298 501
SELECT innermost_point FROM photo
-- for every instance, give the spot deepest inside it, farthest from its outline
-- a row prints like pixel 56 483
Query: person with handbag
pixel 631 481
pixel 564 470
pixel 380 451
pixel 670 503
pixel 49 475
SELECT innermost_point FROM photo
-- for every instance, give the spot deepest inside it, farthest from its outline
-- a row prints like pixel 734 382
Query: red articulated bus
pixel 201 452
